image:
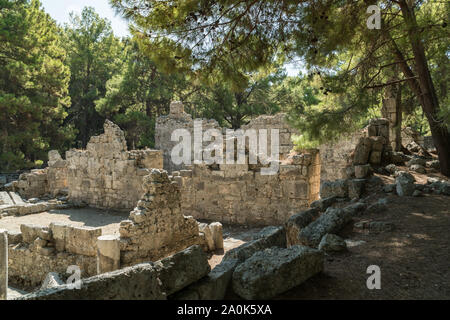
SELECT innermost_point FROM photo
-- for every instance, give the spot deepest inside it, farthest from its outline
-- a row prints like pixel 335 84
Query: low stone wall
pixel 156 229
pixel 38 250
pixel 238 194
pixel 106 175
pixel 147 281
pixel 41 182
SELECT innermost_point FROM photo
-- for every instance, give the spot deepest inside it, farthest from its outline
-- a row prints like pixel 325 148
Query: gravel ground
pixel 107 220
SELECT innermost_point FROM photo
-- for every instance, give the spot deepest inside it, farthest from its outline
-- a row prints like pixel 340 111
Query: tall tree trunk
pixel 426 91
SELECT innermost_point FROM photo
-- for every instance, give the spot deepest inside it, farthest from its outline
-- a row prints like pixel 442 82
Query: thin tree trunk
pixel 426 91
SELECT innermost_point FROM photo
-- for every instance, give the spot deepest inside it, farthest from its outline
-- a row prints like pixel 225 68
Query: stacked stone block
pixel 157 228
pixel 238 195
pixel 106 175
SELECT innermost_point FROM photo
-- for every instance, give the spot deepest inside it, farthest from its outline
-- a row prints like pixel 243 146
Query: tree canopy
pixel 332 37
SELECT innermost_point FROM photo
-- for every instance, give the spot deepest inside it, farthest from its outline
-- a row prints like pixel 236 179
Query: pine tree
pixel 33 85
pixel 240 36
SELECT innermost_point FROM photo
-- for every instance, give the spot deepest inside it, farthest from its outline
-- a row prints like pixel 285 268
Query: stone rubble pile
pixel 12 204
pixel 157 227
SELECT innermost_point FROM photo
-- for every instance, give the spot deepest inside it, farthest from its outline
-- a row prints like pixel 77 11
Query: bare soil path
pixel 107 220
pixel 414 258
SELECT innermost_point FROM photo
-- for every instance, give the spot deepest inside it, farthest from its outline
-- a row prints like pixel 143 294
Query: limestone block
pixel 204 228
pixel 217 234
pixel 266 238
pixel 108 253
pixel 212 287
pixel 362 171
pixel 30 232
pixel 82 240
pixel 182 269
pixel 139 282
pixel 282 268
pixel 332 243
pixel 297 222
pixel 362 151
pixel 323 204
pixel 332 221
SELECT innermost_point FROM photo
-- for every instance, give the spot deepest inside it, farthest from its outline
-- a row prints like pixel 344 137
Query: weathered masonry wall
pixel 51 180
pixel 238 194
pixel 335 157
pixel 106 175
pixel 156 229
pixel 178 119
pixel 38 250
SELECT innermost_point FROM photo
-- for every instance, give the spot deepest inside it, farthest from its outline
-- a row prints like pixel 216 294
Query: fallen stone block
pixel 416 161
pixel 273 271
pixel 332 243
pixel 217 234
pixel 266 238
pixel 418 168
pixel 356 188
pixel 355 208
pixel 297 222
pixel 182 269
pixel 434 164
pixel 212 287
pixel 139 282
pixel 404 185
pixel 323 204
pixel 338 188
pixel 332 221
pixel 208 236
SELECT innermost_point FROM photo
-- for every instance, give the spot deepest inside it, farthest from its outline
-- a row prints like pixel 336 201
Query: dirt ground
pixel 414 258
pixel 107 220
pixel 233 236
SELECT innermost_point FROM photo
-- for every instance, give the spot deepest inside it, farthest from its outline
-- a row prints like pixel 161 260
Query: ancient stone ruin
pixel 161 251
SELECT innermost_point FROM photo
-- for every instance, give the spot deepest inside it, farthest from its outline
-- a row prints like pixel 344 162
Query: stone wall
pixel 366 146
pixel 336 156
pixel 106 175
pixel 242 195
pixel 38 250
pixel 157 228
pixel 278 121
pixel 178 119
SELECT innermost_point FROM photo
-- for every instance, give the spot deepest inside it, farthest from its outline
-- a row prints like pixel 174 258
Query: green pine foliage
pixel 34 81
